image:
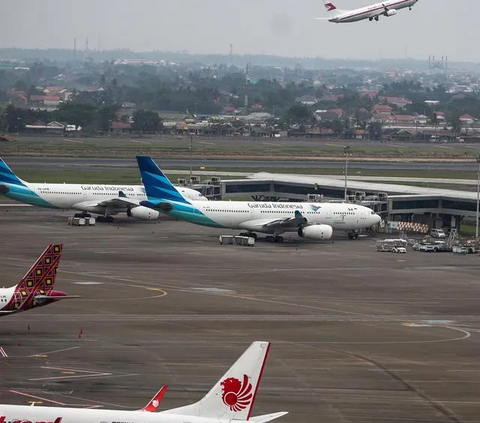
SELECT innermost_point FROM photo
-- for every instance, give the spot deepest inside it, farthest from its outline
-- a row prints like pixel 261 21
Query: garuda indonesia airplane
pixel 104 200
pixel 308 220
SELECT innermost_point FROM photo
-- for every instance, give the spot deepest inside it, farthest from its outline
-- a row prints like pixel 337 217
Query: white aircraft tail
pixel 332 10
pixel 232 397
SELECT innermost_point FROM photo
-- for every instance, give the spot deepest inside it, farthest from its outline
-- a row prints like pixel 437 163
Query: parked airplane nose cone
pixel 378 219
pixel 4 189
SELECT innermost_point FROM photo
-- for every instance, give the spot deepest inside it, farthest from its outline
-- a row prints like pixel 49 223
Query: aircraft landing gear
pixel 370 19
pixel 376 18
pixel 275 238
pixel 353 235
pixel 108 219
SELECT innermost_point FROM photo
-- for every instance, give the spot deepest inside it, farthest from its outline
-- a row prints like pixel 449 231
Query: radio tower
pixel 86 48
pixel 247 83
pixel 74 52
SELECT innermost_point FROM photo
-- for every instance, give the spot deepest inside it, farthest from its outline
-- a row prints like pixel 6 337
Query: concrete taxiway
pixel 18 163
pixel 357 336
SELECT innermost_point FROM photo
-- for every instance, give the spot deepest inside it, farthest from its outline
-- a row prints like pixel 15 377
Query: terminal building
pixel 435 207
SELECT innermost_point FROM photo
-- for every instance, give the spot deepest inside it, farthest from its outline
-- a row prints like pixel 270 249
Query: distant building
pixel 467 119
pixel 39 127
pixel 403 119
pixel 120 127
pixel 400 102
pixel 382 109
pixel 331 114
pixel 307 100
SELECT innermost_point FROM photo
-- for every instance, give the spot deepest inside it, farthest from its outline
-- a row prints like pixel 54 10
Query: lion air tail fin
pixel 232 397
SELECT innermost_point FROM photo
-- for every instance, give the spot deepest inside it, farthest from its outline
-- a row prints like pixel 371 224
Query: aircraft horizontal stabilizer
pixel 3 313
pixel 49 298
pixel 267 417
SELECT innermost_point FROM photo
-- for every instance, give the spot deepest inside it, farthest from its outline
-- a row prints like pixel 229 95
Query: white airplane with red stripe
pixel 373 12
pixel 229 401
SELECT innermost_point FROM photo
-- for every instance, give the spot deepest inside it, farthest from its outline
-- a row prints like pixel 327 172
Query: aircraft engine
pixel 143 213
pixel 316 232
pixel 391 12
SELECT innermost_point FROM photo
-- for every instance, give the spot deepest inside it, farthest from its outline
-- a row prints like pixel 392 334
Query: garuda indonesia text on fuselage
pixel 105 200
pixel 309 220
pixel 372 12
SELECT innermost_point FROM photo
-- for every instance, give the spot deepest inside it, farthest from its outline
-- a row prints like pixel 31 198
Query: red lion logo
pixel 237 395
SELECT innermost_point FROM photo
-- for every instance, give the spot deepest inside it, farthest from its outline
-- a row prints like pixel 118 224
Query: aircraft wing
pixel 121 202
pixel 284 223
pixel 47 298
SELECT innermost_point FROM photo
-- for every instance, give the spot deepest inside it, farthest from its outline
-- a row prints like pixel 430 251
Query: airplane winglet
pixel 155 402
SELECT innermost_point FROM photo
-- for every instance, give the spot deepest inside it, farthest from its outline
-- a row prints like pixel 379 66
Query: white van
pixel 437 233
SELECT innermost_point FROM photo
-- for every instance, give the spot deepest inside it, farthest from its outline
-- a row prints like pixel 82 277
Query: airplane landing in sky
pixel 36 289
pixel 372 12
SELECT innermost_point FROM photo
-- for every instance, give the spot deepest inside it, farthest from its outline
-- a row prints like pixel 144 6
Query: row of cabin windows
pixel 95 193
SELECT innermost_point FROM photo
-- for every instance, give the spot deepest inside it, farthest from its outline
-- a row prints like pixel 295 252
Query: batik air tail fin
pixel 232 397
pixel 37 286
pixel 157 185
pixel 42 275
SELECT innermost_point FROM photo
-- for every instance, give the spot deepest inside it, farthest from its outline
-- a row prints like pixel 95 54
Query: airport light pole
pixel 191 158
pixel 347 152
pixel 478 196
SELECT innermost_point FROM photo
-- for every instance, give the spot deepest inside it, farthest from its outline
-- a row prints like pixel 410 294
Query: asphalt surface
pixel 19 163
pixel 357 336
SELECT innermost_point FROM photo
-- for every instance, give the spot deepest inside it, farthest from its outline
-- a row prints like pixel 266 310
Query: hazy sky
pixel 279 27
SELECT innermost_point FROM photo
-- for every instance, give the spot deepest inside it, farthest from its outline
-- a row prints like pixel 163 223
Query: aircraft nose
pixel 377 219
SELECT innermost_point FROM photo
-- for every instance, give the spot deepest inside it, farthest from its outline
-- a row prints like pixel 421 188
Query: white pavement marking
pixel 206 143
pixel 3 353
pixel 37 397
pixel 85 374
pixel 55 351
pixel 272 143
